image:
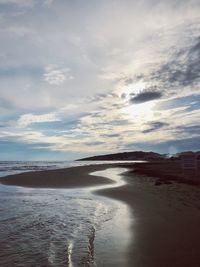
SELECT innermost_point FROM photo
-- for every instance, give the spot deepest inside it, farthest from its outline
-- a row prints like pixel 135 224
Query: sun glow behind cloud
pixel 124 76
pixel 140 113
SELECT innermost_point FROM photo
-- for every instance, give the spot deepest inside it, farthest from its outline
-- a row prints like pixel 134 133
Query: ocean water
pixel 62 227
pixel 14 167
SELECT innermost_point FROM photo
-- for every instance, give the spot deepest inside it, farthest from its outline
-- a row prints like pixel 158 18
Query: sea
pixel 62 227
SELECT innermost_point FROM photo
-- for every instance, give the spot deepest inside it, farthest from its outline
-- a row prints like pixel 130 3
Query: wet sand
pixel 166 228
pixel 169 170
pixel 60 178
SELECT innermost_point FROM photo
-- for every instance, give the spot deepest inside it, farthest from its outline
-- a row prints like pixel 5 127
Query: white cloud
pixel 28 119
pixel 105 55
pixel 56 76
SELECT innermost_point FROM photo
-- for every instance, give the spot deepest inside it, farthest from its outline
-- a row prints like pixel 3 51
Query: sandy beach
pixel 165 231
pixel 60 178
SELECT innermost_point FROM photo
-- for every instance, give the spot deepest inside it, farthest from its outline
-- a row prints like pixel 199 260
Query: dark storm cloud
pixel 145 96
pixel 154 126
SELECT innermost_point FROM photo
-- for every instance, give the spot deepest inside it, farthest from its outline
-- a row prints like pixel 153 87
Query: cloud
pixel 145 96
pixel 56 76
pixel 28 119
pixel 5 104
pixel 128 81
pixel 159 60
pixel 110 135
pixel 188 73
pixel 20 3
pixel 178 71
pixel 93 143
pixel 154 126
pixel 189 103
pixel 166 146
pixel 188 129
pixel 48 2
pixel 25 3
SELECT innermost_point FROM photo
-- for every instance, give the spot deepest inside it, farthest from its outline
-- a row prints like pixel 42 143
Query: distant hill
pixel 135 155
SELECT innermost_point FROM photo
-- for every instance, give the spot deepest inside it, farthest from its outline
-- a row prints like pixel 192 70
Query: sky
pixel 81 78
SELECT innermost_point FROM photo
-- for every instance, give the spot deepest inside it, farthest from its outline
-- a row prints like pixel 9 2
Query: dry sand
pixel 166 228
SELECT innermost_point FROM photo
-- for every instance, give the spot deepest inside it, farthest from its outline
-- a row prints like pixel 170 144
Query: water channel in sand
pixel 64 227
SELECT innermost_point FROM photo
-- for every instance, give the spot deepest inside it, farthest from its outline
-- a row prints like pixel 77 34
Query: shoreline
pixel 166 229
pixel 72 177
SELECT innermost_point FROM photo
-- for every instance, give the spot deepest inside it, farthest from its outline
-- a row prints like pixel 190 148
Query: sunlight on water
pixel 63 227
pixel 114 238
pixel 113 174
pixel 70 248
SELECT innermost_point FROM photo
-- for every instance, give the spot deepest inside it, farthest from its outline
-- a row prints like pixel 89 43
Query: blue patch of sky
pixel 21 71
pixel 12 150
pixel 191 103
pixel 54 125
pixel 9 117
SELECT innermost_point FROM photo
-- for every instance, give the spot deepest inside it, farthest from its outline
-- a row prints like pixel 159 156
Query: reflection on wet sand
pixel 63 227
